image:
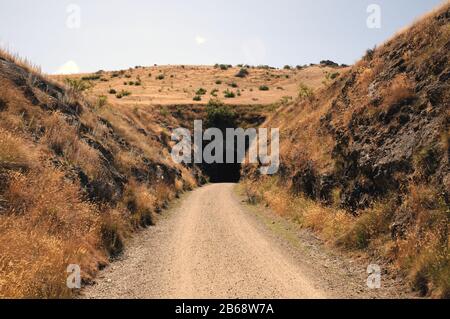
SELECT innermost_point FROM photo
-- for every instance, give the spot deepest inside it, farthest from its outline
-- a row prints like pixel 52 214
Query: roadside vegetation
pixel 77 178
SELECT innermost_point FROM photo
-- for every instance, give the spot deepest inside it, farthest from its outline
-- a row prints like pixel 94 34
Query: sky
pixel 89 35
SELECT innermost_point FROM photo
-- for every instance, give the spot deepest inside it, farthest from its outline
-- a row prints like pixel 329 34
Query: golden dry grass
pixel 13 153
pixel 422 254
pixel 180 84
pixel 46 220
pixel 46 226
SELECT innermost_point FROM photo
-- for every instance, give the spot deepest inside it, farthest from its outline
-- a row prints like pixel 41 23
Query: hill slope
pixel 168 85
pixel 373 149
pixel 77 176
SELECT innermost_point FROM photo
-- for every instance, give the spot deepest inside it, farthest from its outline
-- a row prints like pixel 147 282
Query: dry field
pixel 168 85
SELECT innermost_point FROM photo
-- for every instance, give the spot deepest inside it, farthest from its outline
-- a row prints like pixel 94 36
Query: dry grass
pixel 64 140
pixel 140 202
pixel 46 221
pixel 422 254
pixel 331 223
pixel 13 153
pixel 46 226
pixel 22 62
pixel 180 84
pixel 424 250
pixel 399 90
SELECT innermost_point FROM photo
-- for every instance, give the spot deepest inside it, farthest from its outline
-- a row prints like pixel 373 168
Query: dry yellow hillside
pixel 168 85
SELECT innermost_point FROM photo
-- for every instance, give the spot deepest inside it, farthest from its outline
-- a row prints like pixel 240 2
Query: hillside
pixel 169 85
pixel 365 161
pixel 77 177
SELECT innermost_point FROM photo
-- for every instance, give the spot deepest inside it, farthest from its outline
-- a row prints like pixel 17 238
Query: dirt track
pixel 210 246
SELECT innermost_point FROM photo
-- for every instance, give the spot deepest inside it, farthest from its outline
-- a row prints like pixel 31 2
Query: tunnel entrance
pixel 223 173
pixel 222 117
pixel 218 115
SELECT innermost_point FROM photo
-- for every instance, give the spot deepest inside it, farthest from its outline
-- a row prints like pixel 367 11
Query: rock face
pixel 388 118
pixel 402 133
pixel 375 144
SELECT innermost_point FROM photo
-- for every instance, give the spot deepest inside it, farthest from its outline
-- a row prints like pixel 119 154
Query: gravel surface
pixel 211 245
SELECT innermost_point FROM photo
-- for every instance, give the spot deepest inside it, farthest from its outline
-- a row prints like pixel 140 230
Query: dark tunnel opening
pixel 223 172
pixel 223 117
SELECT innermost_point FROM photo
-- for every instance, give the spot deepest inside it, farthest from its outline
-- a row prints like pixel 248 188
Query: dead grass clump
pixel 45 227
pixel 125 160
pixel 369 225
pixel 399 90
pixel 163 193
pixel 13 152
pixel 63 139
pixel 113 231
pixel 331 224
pixel 140 202
pixel 423 253
pixel 189 182
pixel 24 63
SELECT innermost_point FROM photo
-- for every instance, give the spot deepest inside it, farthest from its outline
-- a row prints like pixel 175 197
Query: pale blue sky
pixel 117 34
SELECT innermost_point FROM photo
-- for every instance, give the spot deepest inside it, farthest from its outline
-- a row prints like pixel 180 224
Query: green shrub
pixel 218 82
pixel 201 91
pixel 234 85
pixel 229 94
pixel 197 98
pixel 369 54
pixel 102 101
pixel 122 94
pixel 214 92
pixel 219 115
pixel 214 103
pixel 160 77
pixel 242 73
pixel 334 75
pixel 264 88
pixel 78 85
pixel 112 91
pixel 305 91
pixel 93 77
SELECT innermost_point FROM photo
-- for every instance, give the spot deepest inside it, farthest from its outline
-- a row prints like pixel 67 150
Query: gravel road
pixel 210 246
